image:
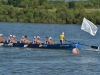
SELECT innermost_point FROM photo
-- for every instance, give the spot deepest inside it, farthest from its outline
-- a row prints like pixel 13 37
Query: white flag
pixel 89 27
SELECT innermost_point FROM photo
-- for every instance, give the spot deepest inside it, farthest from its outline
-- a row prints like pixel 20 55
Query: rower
pixel 34 40
pixel 14 40
pixel 9 39
pixel 47 40
pixel 62 38
pixel 2 40
pixel 38 41
pixel 50 41
pixel 22 40
pixel 26 41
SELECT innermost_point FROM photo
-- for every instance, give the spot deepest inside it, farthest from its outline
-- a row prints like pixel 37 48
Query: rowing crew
pixel 36 40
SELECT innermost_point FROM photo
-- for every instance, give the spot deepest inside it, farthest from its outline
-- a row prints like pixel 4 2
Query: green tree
pixel 3 2
pixel 79 5
pixel 42 1
pixel 71 5
pixel 15 3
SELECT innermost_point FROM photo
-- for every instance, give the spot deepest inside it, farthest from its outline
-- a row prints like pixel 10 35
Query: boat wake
pixel 91 49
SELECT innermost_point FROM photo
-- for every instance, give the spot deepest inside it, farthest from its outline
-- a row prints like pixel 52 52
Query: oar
pixel 95 47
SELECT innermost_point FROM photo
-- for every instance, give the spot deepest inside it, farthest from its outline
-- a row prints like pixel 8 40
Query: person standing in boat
pixel 2 39
pixel 62 38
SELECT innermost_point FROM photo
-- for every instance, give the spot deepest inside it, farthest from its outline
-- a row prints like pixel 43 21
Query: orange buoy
pixel 75 51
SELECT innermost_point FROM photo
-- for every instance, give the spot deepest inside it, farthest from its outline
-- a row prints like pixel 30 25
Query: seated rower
pixel 2 39
pixel 22 40
pixel 14 40
pixel 34 40
pixel 50 41
pixel 47 40
pixel 26 41
pixel 38 41
pixel 9 39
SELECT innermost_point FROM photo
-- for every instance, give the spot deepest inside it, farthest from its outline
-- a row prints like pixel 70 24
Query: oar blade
pixel 95 47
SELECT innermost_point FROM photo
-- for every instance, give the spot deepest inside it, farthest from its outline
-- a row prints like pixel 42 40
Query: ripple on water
pixel 28 61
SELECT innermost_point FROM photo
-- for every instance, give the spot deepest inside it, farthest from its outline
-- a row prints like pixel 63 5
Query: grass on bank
pixel 91 10
pixel 87 10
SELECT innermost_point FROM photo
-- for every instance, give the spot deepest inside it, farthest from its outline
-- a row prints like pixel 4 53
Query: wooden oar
pixel 95 47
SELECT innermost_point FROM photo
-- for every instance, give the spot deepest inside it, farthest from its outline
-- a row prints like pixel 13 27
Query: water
pixel 29 61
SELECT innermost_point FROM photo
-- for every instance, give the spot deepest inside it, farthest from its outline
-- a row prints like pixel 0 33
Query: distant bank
pixel 44 11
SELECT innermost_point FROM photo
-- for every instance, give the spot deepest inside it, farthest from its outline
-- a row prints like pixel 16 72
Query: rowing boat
pixel 69 46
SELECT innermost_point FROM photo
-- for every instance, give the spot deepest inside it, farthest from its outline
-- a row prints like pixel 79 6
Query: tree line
pixel 49 11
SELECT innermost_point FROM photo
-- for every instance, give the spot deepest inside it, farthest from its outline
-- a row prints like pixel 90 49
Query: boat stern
pixel 78 45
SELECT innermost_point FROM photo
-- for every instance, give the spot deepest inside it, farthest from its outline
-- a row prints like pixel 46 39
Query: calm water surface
pixel 29 61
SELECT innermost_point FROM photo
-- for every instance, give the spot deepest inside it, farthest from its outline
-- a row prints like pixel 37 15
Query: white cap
pixel 38 37
pixel 34 36
pixel 22 36
pixel 14 36
pixel 50 37
pixel 1 34
pixel 62 32
pixel 10 35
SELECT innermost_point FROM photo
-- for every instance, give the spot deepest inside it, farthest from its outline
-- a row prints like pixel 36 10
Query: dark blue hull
pixel 56 46
pixel 44 46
